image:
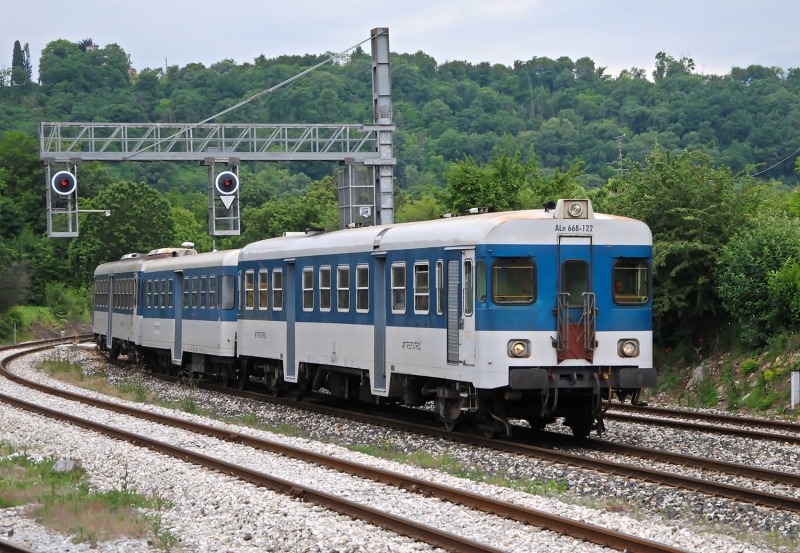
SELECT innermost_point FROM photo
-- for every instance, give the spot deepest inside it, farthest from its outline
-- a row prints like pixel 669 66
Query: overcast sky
pixel 617 34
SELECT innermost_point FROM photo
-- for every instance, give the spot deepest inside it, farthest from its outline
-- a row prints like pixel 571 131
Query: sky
pixel 615 34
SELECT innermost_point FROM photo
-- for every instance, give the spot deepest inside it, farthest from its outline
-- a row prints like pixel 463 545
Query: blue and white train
pixel 529 315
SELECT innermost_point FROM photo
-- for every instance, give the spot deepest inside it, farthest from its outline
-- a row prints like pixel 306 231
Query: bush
pixel 748 366
pixel 66 304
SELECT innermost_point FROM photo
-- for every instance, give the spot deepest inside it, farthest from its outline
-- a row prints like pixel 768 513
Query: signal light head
pixel 227 183
pixel 64 183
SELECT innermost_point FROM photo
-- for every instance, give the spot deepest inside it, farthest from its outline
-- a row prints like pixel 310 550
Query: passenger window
pixel 156 294
pixel 325 289
pixel 227 293
pixel 513 281
pixel 249 289
pixel 202 292
pixel 440 287
pixel 149 293
pixel 194 292
pixel 263 289
pixel 422 288
pixel 169 293
pixel 212 292
pixel 399 288
pixel 480 281
pixel 575 281
pixel 277 289
pixel 241 292
pixel 343 288
pixel 469 297
pixel 362 289
pixel 187 289
pixel 631 281
pixel 308 288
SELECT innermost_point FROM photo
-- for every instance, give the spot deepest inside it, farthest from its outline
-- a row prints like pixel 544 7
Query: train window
pixel 163 292
pixel 308 288
pixel 399 288
pixel 469 294
pixel 343 288
pixel 241 292
pixel 249 289
pixel 422 288
pixel 513 281
pixel 155 294
pixel 277 289
pixel 440 287
pixel 362 288
pixel 480 281
pixel 187 289
pixel 227 292
pixel 194 292
pixel 325 289
pixel 135 292
pixel 631 281
pixel 263 289
pixel 212 292
pixel 203 292
pixel 575 280
pixel 169 293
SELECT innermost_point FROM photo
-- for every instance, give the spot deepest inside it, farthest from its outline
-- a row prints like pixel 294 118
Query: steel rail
pixel 7 546
pixel 562 525
pixel 700 427
pixel 708 417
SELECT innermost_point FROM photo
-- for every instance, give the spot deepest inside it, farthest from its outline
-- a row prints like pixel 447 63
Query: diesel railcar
pixel 532 315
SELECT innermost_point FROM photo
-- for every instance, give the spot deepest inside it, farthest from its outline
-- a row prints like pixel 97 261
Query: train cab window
pixel 362 289
pixel 249 289
pixel 343 288
pixel 399 288
pixel 227 292
pixel 480 281
pixel 575 280
pixel 324 288
pixel 187 289
pixel 194 292
pixel 169 293
pixel 422 288
pixel 631 281
pixel 203 292
pixel 308 288
pixel 163 292
pixel 440 287
pixel 514 281
pixel 277 289
pixel 263 289
pixel 469 294
pixel 212 292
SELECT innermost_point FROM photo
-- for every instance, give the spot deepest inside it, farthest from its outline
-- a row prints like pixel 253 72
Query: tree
pixel 141 220
pixel 15 279
pixel 692 207
pixel 19 75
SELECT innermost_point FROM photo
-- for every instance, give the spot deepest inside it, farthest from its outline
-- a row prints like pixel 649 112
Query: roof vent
pixel 313 231
pixel 131 255
pixel 476 210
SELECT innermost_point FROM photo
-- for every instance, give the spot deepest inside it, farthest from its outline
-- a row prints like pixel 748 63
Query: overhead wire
pixel 253 97
pixel 797 151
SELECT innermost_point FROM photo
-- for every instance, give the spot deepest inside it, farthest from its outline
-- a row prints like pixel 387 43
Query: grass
pixel 253 421
pixel 449 464
pixel 65 502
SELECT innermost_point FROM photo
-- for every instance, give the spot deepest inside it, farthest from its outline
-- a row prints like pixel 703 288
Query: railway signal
pixel 64 183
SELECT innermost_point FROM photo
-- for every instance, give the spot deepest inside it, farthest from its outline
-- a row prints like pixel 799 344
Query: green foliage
pixel 141 220
pixel 692 206
pixel 756 277
pixel 706 391
pixel 748 366
pixel 67 304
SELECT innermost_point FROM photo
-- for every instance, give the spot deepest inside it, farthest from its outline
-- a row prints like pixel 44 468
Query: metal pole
pixel 382 115
pixel 795 388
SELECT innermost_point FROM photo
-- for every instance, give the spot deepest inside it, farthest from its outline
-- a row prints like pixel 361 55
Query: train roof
pixel 508 227
pixel 169 263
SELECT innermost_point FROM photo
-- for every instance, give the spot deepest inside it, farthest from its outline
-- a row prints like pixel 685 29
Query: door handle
pixel 461 323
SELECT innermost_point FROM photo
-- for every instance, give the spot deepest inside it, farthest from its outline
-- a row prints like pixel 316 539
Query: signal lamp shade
pixel 227 183
pixel 64 183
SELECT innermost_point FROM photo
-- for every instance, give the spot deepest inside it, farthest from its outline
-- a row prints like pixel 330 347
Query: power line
pixel 781 161
pixel 254 96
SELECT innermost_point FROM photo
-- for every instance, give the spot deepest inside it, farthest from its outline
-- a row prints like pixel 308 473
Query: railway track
pixel 573 528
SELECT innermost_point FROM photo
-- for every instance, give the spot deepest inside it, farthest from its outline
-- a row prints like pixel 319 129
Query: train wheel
pixel 581 426
pixel 450 424
pixel 225 376
pixel 242 377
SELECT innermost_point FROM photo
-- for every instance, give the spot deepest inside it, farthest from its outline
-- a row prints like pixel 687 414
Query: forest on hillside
pixel 468 134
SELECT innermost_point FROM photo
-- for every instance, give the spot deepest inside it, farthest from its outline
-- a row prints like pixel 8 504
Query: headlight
pixel 628 348
pixel 575 209
pixel 519 348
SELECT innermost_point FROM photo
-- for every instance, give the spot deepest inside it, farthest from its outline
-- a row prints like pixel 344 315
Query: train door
pixel 135 307
pixel 111 302
pixel 466 332
pixel 178 301
pixel 379 324
pixel 453 288
pixel 576 310
pixel 291 317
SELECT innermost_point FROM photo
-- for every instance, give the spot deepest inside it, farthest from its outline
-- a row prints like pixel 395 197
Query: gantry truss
pixel 64 142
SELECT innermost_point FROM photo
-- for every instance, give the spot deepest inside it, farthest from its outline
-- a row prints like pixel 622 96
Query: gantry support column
pixel 382 115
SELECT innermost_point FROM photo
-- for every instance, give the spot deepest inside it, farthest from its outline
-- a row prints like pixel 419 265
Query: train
pixel 537 315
